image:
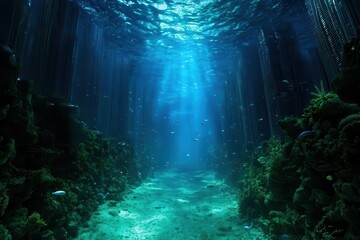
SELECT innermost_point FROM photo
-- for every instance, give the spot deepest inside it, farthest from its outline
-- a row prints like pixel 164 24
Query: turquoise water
pixel 173 205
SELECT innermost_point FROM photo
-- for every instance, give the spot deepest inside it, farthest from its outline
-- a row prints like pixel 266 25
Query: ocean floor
pixel 172 205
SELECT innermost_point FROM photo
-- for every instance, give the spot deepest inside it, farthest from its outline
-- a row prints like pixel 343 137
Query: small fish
pixel 306 133
pixel 248 227
pixel 284 236
pixel 59 193
pixel 196 139
pixel 285 81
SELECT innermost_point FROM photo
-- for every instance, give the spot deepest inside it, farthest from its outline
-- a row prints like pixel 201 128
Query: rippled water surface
pixel 221 25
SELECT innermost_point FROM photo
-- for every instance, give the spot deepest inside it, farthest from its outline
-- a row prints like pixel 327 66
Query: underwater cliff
pixel 55 171
pixel 308 184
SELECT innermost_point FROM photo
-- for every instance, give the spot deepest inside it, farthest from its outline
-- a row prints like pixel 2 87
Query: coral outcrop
pixel 44 148
pixel 309 186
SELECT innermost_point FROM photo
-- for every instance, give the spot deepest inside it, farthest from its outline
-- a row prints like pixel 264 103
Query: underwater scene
pixel 179 119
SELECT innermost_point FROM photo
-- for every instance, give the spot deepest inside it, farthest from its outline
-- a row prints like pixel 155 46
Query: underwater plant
pixel 312 113
pixel 34 222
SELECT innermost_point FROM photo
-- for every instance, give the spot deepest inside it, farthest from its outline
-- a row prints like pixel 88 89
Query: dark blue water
pixel 183 54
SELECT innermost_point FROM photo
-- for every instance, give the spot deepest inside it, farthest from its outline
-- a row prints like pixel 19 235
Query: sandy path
pixel 172 205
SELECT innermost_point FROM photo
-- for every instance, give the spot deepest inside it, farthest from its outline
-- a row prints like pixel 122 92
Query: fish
pixel 196 139
pixel 59 193
pixel 306 133
pixel 284 236
pixel 248 227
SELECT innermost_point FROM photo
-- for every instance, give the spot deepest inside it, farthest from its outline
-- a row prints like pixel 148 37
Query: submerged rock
pixel 4 202
pixel 8 75
pixel 349 128
pixel 4 233
pixel 7 151
pixel 347 191
pixel 292 126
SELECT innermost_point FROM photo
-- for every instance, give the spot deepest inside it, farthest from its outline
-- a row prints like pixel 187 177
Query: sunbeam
pixel 187 108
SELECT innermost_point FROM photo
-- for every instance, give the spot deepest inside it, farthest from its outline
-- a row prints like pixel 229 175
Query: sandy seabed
pixel 172 205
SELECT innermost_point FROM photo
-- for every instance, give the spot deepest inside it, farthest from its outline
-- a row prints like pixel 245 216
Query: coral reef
pixel 44 148
pixel 309 186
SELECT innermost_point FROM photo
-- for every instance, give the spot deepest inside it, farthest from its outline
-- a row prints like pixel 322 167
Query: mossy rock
pixel 45 235
pixel 283 180
pixel 7 151
pixel 312 112
pixel 34 222
pixel 351 214
pixel 17 223
pixel 332 108
pixel 8 72
pixel 4 201
pixel 350 129
pixel 292 126
pixel 4 233
pixel 347 191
